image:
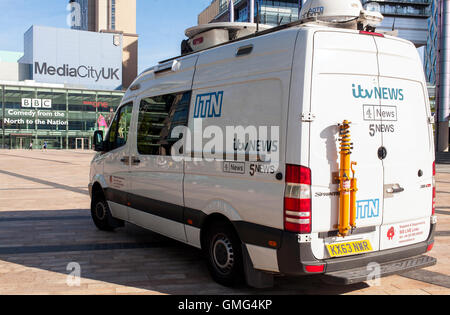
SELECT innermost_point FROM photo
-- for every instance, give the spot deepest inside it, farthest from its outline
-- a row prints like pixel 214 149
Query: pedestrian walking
pixel 31 145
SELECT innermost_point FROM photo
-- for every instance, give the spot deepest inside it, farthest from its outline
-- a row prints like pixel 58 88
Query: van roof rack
pixel 260 33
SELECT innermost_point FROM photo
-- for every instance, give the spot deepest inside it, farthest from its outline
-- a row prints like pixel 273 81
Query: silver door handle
pixel 396 189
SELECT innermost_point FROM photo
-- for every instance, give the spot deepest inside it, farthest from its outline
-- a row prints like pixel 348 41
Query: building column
pixel 67 117
pixel 444 78
pixel 3 116
pixel 231 9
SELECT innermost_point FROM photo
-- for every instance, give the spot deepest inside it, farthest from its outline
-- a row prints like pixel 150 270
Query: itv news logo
pixel 36 103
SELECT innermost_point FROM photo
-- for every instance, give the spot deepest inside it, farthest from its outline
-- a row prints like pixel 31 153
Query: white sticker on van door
pixel 403 234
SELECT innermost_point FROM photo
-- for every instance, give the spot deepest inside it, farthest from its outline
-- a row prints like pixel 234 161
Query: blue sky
pixel 160 23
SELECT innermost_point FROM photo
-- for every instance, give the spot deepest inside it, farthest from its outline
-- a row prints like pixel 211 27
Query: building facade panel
pixel 269 12
pixel 77 58
pixel 209 13
pixel 415 30
pixel 408 17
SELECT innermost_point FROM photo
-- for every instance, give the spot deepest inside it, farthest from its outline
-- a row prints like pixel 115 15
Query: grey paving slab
pixel 45 225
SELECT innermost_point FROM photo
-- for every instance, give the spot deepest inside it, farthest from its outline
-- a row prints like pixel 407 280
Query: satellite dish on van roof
pixel 342 13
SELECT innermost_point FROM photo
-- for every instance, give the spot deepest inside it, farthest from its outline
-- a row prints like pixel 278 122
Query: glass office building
pixel 406 8
pixel 61 117
pixel 278 12
pixel 270 12
pixel 408 17
pixel 432 49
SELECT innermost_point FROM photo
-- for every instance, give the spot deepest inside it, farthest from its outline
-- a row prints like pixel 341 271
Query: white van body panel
pixel 410 147
pixel 342 62
pixel 300 100
pixel 257 197
pixel 160 178
pixel 116 172
pixel 214 207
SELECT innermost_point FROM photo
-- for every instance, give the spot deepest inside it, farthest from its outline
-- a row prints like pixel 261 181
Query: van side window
pixel 120 127
pixel 158 116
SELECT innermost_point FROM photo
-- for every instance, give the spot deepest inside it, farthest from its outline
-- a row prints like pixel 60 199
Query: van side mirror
pixel 99 145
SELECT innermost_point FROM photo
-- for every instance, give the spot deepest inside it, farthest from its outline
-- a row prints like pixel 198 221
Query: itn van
pixel 238 148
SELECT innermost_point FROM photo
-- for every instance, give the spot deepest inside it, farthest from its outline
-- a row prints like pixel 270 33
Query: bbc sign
pixel 36 103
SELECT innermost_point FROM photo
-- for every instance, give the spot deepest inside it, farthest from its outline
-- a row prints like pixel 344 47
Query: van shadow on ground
pixel 131 256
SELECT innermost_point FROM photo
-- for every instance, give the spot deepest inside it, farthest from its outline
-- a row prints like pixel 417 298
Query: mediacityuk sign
pixel 83 71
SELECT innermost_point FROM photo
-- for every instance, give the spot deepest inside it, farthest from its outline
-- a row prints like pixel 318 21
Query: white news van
pixel 291 86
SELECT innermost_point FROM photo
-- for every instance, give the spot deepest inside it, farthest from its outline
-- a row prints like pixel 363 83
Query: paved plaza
pixel 46 233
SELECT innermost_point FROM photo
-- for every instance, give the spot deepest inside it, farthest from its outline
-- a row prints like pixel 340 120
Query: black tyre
pixel 101 215
pixel 223 253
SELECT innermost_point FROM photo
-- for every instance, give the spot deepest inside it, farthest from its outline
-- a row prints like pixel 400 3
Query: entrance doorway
pixel 81 143
pixel 21 142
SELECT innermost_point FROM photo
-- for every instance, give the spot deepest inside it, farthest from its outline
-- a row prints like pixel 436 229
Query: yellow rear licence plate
pixel 349 248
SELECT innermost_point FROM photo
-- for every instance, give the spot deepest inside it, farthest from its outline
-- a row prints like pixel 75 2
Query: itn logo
pixel 74 17
pixel 367 209
pixel 208 105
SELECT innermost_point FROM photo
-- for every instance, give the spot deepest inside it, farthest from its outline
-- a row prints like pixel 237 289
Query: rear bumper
pixel 293 257
pixel 372 272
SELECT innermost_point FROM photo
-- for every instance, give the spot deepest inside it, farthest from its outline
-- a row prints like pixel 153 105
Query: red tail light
pixel 297 199
pixel 315 269
pixel 430 247
pixel 433 205
pixel 371 33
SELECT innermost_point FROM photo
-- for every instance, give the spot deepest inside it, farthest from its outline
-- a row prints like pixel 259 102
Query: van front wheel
pixel 101 215
pixel 224 255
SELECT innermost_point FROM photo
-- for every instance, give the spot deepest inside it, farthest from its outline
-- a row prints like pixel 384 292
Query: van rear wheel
pixel 101 215
pixel 224 255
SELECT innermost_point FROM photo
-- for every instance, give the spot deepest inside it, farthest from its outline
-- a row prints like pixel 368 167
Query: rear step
pixel 346 277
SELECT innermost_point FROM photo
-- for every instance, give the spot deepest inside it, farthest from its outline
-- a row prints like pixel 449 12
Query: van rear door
pixel 402 121
pixel 344 77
